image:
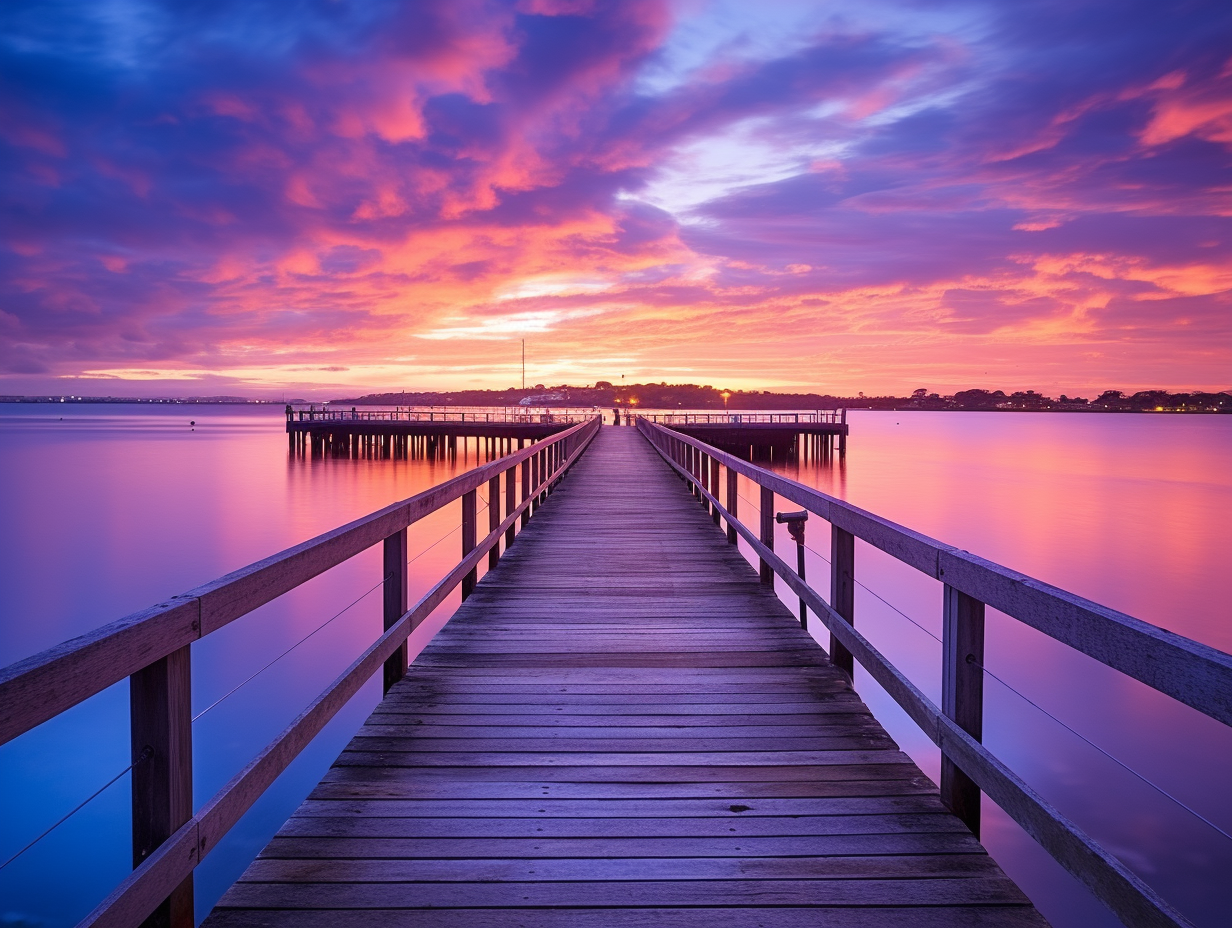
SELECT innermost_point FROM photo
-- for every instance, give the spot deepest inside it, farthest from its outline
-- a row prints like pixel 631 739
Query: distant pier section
pixel 816 434
pixel 414 432
pixel 429 432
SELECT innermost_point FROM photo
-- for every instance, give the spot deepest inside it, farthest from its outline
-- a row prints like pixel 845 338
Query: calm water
pixel 1134 512
pixel 113 508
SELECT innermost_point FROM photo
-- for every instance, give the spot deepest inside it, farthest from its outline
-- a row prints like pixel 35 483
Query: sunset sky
pixel 331 197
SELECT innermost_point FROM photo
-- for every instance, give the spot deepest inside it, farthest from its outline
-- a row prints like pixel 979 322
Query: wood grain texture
pixel 621 721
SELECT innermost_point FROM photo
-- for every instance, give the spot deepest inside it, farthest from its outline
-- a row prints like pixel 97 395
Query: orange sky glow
pixel 834 198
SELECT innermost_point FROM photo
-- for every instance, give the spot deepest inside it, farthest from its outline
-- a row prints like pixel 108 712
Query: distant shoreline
pixel 906 408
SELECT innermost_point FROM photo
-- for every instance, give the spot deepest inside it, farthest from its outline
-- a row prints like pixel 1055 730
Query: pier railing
pixel 1193 673
pixel 152 649
pixel 813 417
pixel 510 414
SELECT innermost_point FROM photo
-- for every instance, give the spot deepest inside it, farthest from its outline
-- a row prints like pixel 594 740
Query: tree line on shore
pixel 692 396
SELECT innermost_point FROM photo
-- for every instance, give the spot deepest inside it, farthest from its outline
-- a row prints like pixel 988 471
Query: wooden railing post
pixel 525 490
pixel 714 486
pixel 511 502
pixel 534 482
pixel 494 518
pixel 962 696
pixel 703 475
pixel 733 491
pixel 468 541
pixel 160 712
pixel 767 533
pixel 842 592
pixel 395 601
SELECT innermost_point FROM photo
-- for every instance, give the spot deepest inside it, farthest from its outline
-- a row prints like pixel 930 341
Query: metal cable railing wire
pixel 141 758
pixel 147 752
pixel 1077 734
pixel 256 674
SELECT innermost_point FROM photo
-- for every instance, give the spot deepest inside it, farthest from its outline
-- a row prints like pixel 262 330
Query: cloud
pixel 264 191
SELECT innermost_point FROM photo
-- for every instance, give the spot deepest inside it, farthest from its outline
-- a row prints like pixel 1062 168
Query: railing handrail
pixel 162 874
pixel 46 684
pixel 1129 897
pixel 1189 671
pixel 502 414
pixel 748 417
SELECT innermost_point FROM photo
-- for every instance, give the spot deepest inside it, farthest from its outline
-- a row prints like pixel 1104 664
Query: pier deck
pixel 622 727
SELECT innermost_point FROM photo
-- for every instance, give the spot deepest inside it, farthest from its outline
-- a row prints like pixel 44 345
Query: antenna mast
pixel 523 364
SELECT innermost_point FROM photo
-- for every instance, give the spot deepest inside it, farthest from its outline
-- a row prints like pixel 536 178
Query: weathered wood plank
pixel 658 917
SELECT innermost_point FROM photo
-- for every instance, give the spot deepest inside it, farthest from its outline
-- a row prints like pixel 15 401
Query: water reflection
pixel 1130 511
pixel 107 512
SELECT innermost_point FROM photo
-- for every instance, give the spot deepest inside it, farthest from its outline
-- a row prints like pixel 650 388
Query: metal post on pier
pixel 795 525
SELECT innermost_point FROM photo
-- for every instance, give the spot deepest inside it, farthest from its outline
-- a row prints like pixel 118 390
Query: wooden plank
pixel 974 890
pixel 541 848
pixel 658 917
pixel 284 870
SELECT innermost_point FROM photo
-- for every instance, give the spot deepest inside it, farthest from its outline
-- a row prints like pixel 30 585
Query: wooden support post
pixel 962 696
pixel 511 501
pixel 733 490
pixel 525 488
pixel 468 540
pixel 160 713
pixel 842 592
pixel 494 518
pixel 395 602
pixel 767 533
pixel 714 486
pixel 534 482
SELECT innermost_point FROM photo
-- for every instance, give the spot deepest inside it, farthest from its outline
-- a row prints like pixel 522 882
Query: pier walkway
pixel 621 726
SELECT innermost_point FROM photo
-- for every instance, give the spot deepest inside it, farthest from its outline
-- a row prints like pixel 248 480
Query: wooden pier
pixel 623 726
pixel 417 434
pixel 620 726
pixel 818 435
